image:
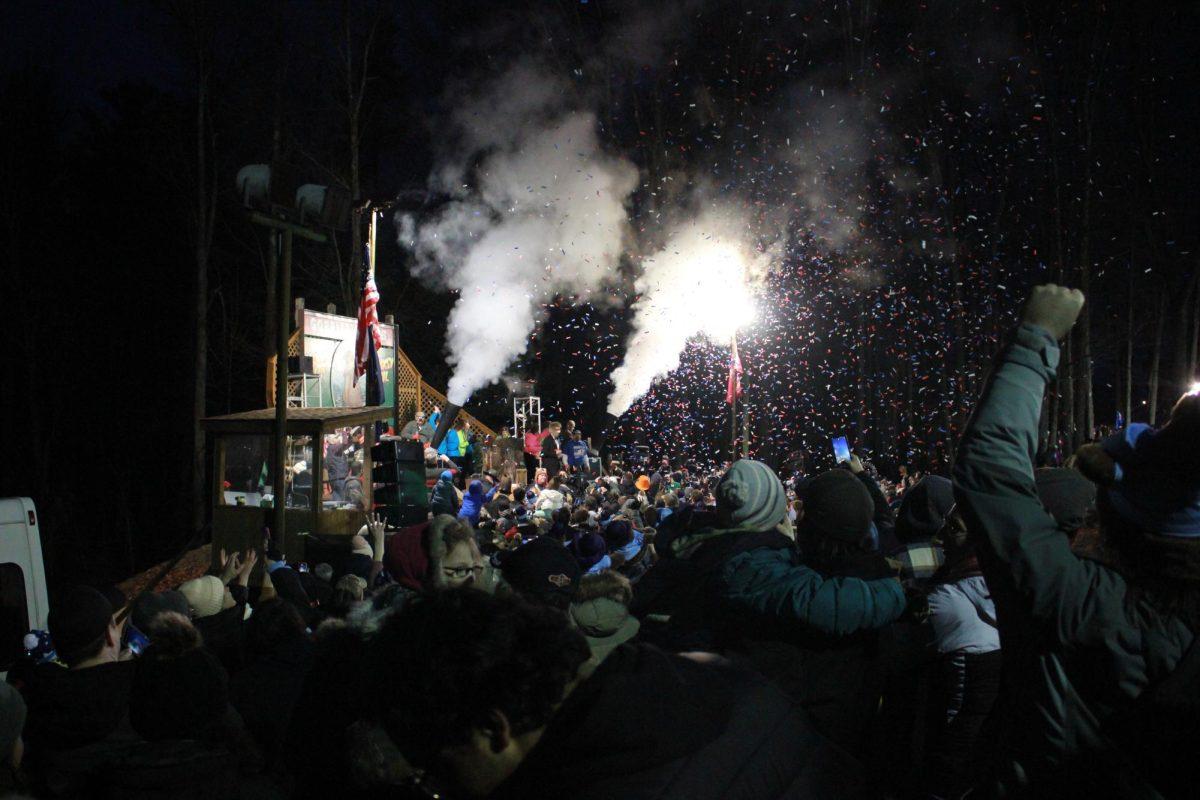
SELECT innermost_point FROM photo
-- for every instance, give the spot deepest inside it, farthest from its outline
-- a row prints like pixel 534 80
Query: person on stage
pixel 418 428
pixel 552 452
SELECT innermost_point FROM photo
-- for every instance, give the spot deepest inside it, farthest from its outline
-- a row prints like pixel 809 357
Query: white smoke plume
pixel 538 209
pixel 701 283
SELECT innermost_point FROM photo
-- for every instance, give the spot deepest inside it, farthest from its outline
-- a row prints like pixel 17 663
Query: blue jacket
pixel 474 500
pixel 450 445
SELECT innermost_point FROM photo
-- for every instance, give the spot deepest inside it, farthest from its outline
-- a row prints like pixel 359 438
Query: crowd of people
pixel 998 631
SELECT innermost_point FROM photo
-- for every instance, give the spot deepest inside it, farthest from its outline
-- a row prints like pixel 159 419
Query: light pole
pixel 262 194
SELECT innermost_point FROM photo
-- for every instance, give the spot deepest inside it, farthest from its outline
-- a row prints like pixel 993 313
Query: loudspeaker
pixel 399 450
pixel 398 477
pixel 401 516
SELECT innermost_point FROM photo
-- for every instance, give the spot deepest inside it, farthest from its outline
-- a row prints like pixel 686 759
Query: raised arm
pixel 771 583
pixel 994 484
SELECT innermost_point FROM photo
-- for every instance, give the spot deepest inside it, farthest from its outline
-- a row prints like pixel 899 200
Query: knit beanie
pixel 588 548
pixel 12 720
pixel 1151 477
pixel 205 595
pixel 750 496
pixel 78 621
pixel 617 534
pixel 1066 495
pixel 924 509
pixel 837 506
pixel 406 556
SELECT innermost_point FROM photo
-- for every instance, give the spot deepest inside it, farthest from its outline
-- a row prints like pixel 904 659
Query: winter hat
pixel 475 488
pixel 149 605
pixel 1067 495
pixel 924 509
pixel 1151 477
pixel 12 720
pixel 79 621
pixel 205 595
pixel 642 483
pixel 605 623
pixel 837 506
pixel 542 570
pixel 618 533
pixel 447 476
pixel 407 557
pixel 750 496
pixel 588 549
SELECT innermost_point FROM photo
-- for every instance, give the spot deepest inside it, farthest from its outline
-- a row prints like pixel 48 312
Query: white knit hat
pixel 205 595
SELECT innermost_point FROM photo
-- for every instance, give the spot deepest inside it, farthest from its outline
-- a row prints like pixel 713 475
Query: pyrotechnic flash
pixel 1195 388
pixel 698 285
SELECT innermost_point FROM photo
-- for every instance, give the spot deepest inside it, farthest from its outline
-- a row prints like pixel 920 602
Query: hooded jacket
pixel 444 499
pixel 1079 651
pixel 651 725
pixel 474 500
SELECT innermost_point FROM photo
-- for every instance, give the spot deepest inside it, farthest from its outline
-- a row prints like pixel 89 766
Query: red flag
pixel 368 329
pixel 733 387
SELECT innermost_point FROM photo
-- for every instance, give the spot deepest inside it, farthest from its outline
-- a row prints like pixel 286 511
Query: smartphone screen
pixel 135 640
pixel 841 450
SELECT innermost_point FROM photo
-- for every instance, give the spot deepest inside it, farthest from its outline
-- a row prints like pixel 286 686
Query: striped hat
pixel 750 496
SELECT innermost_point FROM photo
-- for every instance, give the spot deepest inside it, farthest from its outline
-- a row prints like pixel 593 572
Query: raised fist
pixel 1054 308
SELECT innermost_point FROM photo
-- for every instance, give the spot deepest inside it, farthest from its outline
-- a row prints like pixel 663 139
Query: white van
pixel 23 601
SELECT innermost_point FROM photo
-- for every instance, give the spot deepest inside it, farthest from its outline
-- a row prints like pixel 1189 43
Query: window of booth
pixel 346 481
pixel 246 474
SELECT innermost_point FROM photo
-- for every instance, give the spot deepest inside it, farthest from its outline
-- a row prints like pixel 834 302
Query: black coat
pixel 648 724
pixel 73 708
pixel 265 694
pixel 550 459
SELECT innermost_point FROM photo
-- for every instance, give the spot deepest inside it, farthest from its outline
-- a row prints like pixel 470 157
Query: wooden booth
pixel 323 445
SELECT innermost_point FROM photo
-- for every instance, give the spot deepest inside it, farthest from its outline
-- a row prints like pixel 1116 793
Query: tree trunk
pixel 204 214
pixel 1156 357
pixel 1127 382
pixel 1194 354
pixel 1068 399
pixel 1183 337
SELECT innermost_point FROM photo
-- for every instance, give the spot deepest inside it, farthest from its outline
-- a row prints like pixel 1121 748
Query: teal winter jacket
pixel 1078 651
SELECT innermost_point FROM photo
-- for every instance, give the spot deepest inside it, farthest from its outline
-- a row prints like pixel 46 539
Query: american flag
pixel 733 386
pixel 368 322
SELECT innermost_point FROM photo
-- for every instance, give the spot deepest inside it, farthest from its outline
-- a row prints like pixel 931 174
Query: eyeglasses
pixel 462 573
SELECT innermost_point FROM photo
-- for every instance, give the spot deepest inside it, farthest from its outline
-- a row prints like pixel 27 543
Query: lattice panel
pixel 293 350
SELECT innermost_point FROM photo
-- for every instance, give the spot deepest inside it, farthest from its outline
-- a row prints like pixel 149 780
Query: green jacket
pixel 1076 652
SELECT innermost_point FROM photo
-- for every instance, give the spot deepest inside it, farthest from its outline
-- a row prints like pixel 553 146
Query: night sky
pixel 908 170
